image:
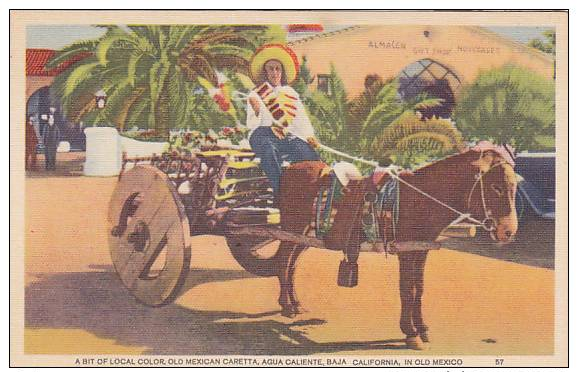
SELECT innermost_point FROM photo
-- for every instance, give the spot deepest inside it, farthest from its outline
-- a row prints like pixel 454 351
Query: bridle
pixel 488 223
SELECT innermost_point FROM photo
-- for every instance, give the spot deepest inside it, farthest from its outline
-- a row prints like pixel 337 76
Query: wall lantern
pixel 100 97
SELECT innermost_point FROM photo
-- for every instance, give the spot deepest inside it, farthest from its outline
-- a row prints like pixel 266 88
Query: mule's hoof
pixel 288 312
pixel 414 343
pixel 424 337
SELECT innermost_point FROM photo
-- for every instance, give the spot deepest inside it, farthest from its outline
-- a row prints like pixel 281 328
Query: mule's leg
pixel 419 262
pixel 284 257
pixel 297 309
pixel 407 295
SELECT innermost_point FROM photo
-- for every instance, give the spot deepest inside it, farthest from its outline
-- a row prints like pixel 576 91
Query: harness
pixel 323 225
pixel 387 200
pixel 489 223
pixel 374 209
pixel 324 208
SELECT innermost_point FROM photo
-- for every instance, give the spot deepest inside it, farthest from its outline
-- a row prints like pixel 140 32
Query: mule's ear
pixel 485 162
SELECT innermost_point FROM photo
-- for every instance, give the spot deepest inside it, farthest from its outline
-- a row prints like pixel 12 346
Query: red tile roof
pixel 305 28
pixel 36 60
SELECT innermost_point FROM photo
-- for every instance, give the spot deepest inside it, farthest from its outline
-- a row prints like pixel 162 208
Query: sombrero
pixel 279 52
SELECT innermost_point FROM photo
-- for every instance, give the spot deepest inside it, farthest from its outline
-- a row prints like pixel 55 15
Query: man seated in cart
pixel 280 128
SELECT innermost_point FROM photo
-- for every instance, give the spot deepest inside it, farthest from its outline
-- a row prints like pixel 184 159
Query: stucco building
pixel 450 55
pixel 40 100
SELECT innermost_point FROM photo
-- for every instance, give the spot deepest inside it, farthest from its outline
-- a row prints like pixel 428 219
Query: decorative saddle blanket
pixel 374 207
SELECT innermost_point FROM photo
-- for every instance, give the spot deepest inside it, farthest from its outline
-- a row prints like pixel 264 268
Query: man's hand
pixel 255 104
pixel 312 141
pixel 278 131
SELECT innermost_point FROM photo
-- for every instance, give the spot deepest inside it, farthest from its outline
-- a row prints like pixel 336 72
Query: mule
pixel 481 183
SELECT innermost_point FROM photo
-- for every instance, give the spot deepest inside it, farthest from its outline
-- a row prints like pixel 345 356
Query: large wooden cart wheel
pixel 257 255
pixel 149 235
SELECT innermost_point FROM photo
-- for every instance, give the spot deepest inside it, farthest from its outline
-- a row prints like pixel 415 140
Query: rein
pixel 488 224
pixel 461 215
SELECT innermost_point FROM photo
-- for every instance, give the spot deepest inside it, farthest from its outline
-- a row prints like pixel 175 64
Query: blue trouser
pixel 273 151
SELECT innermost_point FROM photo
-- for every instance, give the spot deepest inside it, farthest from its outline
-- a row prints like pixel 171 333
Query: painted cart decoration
pixel 160 202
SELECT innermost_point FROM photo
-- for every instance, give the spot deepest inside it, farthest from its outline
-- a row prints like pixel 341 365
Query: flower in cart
pixel 227 132
pixel 233 134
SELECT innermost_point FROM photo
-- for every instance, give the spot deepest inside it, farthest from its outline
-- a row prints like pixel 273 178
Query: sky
pixel 57 37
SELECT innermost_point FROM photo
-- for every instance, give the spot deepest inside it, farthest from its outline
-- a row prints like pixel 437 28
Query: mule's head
pixel 493 196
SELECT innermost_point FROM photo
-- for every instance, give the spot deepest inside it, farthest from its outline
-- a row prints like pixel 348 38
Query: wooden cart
pixel 160 202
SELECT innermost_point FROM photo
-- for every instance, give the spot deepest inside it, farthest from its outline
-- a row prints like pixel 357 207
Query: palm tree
pixel 149 72
pixel 409 140
pixel 378 124
pixel 548 46
pixel 388 108
pixel 328 113
pixel 508 105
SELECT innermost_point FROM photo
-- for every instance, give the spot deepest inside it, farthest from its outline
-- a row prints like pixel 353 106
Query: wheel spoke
pixel 258 246
pixel 145 274
pixel 151 253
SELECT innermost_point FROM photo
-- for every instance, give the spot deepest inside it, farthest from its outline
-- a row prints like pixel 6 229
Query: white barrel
pixel 103 152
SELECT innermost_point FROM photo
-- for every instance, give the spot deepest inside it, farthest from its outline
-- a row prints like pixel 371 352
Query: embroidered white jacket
pixel 300 126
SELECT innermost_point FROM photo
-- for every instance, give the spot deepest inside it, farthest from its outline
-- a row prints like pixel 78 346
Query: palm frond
pixel 507 105
pixel 108 42
pixel 428 103
pixel 123 112
pixel 78 75
pixel 429 143
pixel 138 113
pixel 431 137
pixel 68 52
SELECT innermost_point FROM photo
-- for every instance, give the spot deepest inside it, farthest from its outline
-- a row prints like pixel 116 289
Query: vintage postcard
pixel 286 188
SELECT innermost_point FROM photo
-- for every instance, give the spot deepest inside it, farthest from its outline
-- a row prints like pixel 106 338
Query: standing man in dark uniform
pixel 31 142
pixel 51 140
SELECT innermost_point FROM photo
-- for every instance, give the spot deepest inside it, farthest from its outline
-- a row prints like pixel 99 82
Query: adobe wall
pixel 387 50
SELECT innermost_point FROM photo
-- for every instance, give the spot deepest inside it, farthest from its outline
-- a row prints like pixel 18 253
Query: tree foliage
pixel 361 105
pixel 328 113
pixel 149 73
pixel 547 46
pixel 409 140
pixel 304 78
pixel 378 124
pixel 507 105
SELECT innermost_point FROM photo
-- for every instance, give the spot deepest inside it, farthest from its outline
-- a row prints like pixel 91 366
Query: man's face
pixel 274 71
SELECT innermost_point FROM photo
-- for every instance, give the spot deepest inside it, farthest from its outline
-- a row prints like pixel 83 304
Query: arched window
pixel 434 79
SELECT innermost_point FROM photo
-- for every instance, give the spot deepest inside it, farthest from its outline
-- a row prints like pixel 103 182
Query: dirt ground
pixel 74 302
